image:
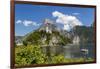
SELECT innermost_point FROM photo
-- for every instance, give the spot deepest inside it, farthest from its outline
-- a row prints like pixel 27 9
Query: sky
pixel 29 17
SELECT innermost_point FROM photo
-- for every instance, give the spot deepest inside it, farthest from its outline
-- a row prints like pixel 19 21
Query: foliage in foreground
pixel 26 55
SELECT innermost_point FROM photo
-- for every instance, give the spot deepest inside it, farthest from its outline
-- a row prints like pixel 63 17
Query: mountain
pixel 85 33
pixel 19 40
pixel 18 37
pixel 50 34
pixel 47 34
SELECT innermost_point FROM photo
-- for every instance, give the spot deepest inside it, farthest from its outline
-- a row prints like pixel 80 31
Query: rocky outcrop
pixel 50 34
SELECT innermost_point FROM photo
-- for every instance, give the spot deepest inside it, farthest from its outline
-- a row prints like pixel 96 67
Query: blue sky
pixel 29 17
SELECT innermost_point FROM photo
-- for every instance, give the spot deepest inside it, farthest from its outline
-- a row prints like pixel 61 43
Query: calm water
pixel 71 51
pixel 75 51
pixel 91 49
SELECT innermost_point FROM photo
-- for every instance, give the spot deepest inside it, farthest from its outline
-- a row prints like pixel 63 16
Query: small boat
pixel 85 51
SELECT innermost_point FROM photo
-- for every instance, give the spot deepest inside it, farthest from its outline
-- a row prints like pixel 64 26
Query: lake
pixel 71 50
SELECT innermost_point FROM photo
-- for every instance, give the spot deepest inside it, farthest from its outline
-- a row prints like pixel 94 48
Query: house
pixel 19 42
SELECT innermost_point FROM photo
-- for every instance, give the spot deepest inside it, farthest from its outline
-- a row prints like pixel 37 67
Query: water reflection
pixel 72 50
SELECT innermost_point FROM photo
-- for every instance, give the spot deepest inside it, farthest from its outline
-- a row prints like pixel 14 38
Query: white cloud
pixel 68 21
pixel 18 21
pixel 27 23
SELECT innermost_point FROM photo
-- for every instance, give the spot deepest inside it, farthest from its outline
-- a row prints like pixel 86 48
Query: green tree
pixel 25 43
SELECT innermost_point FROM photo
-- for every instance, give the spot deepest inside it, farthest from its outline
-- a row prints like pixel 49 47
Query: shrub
pixel 26 55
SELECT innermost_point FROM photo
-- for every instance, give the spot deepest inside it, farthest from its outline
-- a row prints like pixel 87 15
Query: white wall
pixel 5 34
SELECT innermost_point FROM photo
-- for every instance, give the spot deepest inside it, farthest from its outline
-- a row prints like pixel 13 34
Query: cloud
pixel 68 21
pixel 19 22
pixel 27 23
